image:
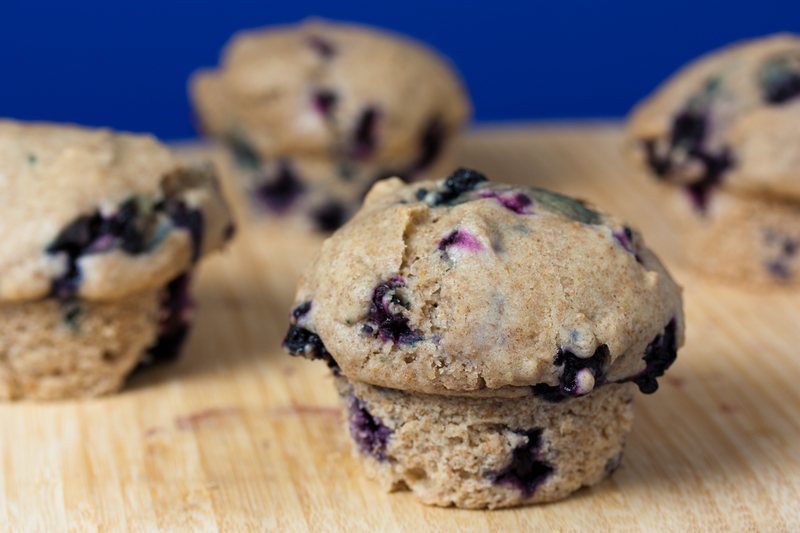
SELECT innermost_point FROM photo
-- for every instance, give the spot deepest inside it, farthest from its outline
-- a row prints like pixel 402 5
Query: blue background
pixel 125 64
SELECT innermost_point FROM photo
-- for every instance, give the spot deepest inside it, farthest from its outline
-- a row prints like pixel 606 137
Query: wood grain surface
pixel 239 437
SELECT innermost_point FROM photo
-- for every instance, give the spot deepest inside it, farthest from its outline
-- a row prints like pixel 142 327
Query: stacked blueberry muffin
pixel 486 339
pixel 100 234
pixel 313 114
pixel 722 136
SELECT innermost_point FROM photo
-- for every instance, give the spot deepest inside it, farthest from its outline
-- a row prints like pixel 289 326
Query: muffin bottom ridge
pixel 486 452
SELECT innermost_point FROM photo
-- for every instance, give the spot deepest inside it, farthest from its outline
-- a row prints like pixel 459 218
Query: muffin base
pixel 749 240
pixel 52 350
pixel 486 452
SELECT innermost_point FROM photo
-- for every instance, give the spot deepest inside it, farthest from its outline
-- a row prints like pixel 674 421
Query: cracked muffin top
pixel 729 119
pixel 97 215
pixel 466 286
pixel 321 88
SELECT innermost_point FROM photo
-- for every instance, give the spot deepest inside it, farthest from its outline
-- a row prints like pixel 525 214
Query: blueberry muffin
pixel 722 136
pixel 101 233
pixel 335 106
pixel 486 339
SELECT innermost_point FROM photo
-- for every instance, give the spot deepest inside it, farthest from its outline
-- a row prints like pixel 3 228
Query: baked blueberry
pixel 329 216
pixel 526 471
pixel 386 316
pixel 278 192
pixel 174 323
pixel 369 433
pixel 301 342
pixel 365 134
pixel 658 357
pixel 780 78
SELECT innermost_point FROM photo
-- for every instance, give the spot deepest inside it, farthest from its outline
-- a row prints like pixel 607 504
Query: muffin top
pixel 321 88
pixel 465 286
pixel 730 119
pixel 97 215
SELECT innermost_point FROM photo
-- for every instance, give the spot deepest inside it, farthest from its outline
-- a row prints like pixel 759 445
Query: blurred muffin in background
pixel 723 138
pixel 101 234
pixel 313 114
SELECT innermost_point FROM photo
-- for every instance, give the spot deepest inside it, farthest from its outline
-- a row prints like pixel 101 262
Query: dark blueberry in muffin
pixel 300 311
pixel 779 79
pixel 579 375
pixel 431 143
pixel 128 229
pixel 324 101
pixel 574 366
pixel 302 342
pixel 322 46
pixel 461 181
pixel 550 393
pixel 73 241
pixel 385 316
pixel 365 134
pixel 329 216
pixel 687 140
pixel 369 433
pixel 715 166
pixel 658 356
pixel 280 191
pixel 174 322
pixel 526 471
pixel 229 232
pixel 244 154
pixel 190 219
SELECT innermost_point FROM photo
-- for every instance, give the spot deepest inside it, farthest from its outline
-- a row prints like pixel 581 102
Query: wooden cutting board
pixel 239 437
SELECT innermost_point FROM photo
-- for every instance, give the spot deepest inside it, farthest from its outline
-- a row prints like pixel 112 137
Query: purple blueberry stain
pixel 175 315
pixel 526 471
pixel 779 79
pixel 324 101
pixel 625 239
pixel 322 46
pixel 658 357
pixel 280 191
pixel 518 202
pixel 687 141
pixel 364 140
pixel 460 238
pixel 369 433
pixel 386 317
